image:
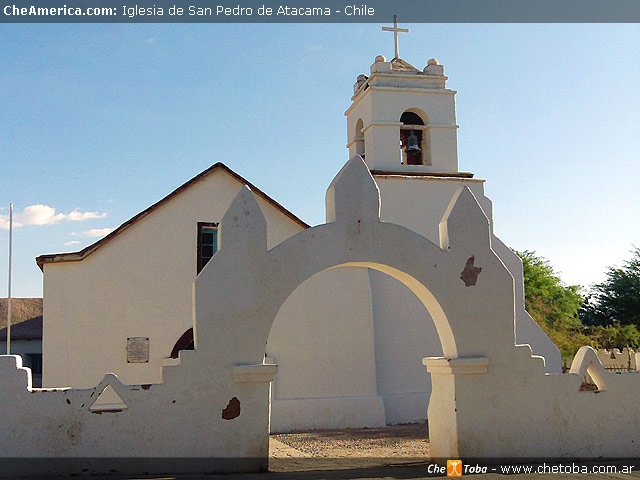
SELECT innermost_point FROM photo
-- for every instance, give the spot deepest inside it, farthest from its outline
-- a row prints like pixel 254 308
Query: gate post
pixel 447 375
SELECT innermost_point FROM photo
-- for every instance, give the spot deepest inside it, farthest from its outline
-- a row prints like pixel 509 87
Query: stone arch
pixel 262 280
pixel 336 352
pixel 330 312
pixel 462 281
pixel 425 296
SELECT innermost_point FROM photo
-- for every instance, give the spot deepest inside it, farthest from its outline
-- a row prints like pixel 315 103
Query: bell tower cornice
pixel 400 74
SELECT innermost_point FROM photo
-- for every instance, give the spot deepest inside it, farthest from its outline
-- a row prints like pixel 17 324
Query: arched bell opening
pixel 359 138
pixel 415 142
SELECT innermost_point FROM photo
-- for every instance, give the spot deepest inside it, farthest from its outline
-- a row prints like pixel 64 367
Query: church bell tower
pixel 403 120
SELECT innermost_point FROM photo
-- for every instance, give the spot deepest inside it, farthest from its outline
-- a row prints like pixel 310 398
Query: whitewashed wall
pixel 24 348
pixel 137 285
pixel 323 343
pixel 419 204
pixel 405 334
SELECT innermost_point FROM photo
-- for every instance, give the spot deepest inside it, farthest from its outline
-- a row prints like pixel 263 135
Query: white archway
pixel 240 291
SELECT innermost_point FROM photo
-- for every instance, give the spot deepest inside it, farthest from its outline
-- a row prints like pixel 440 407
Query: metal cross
pixel 395 31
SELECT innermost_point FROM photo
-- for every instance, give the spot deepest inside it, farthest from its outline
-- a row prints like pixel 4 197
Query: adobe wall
pixel 137 285
pixel 419 203
pixel 323 342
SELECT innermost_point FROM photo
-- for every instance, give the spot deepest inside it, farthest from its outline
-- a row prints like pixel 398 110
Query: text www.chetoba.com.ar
pixel 459 468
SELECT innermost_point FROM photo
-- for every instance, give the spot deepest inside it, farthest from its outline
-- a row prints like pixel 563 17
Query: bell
pixel 412 143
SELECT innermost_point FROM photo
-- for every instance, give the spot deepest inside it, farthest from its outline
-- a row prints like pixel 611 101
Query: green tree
pixel 614 336
pixel 553 304
pixel 546 295
pixel 616 301
pixel 572 321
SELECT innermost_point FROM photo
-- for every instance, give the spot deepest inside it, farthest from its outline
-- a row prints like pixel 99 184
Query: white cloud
pixel 45 215
pixel 39 215
pixel 77 216
pixel 95 232
pixel 72 242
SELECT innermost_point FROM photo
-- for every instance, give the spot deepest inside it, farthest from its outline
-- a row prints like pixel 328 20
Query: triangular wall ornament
pixel 588 384
pixel 109 401
pixel 586 362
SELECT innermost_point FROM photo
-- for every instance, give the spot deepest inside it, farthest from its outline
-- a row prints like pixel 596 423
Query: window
pixel 35 363
pixel 207 242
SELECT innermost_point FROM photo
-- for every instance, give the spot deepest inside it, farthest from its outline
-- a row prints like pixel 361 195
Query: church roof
pixel 77 256
pixel 26 318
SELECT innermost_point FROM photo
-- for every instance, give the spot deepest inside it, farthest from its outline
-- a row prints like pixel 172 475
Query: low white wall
pixel 24 348
pixel 490 398
pixel 512 409
pixel 617 360
pixel 176 427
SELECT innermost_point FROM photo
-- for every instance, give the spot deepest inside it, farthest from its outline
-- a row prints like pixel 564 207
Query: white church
pixel 349 342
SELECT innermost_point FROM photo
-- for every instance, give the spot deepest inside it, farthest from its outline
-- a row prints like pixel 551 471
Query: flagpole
pixel 9 292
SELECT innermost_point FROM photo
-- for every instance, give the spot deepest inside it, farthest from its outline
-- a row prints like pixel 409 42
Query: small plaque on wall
pixel 138 350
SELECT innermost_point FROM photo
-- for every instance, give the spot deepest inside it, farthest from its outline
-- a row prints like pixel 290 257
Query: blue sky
pixel 100 121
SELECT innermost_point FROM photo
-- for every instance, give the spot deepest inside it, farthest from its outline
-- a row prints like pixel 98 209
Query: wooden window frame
pixel 201 226
pixel 37 359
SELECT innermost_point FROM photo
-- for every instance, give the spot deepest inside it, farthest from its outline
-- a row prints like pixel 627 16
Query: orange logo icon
pixel 454 468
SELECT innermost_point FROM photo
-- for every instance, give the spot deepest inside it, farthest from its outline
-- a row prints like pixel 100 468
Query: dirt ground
pixel 386 442
pixel 395 452
pixel 352 453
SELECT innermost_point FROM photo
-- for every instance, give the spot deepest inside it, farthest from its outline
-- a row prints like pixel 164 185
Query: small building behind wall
pixel 26 333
